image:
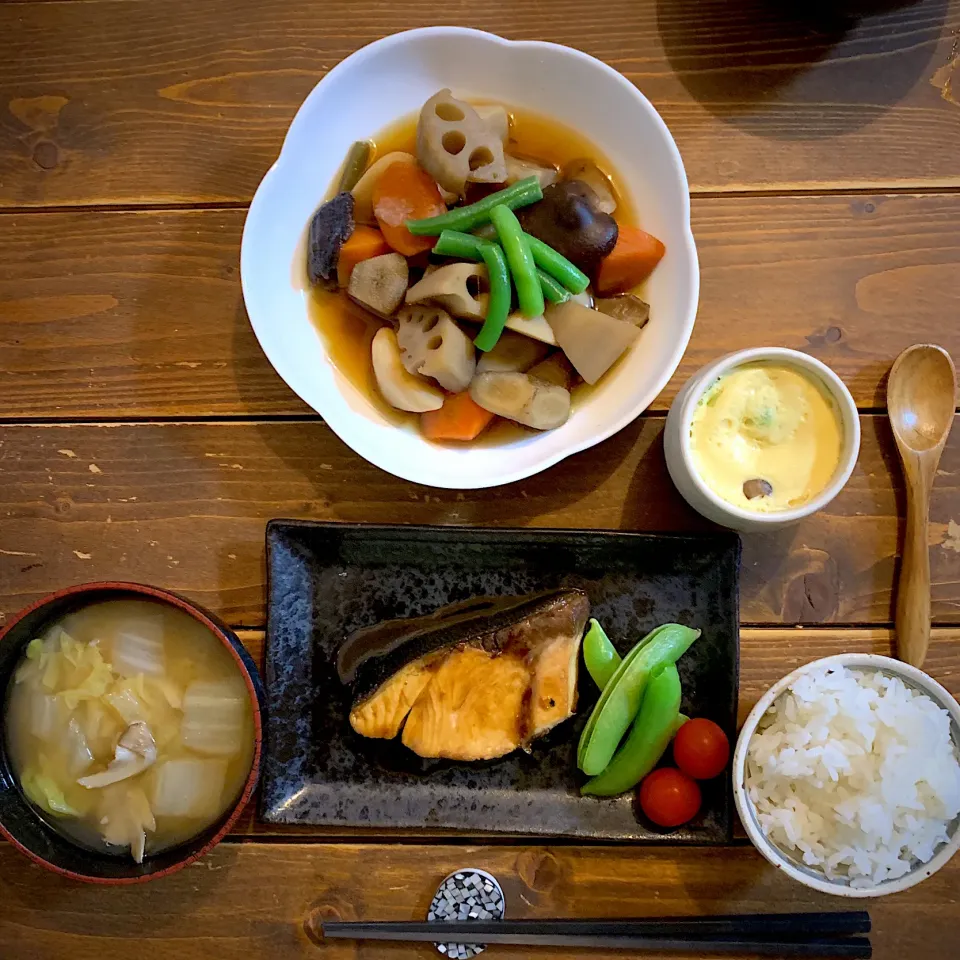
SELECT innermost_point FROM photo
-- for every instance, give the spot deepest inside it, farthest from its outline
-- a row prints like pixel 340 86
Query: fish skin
pixel 471 682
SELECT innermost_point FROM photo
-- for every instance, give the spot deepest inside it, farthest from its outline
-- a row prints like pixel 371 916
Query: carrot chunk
pixel 458 419
pixel 405 192
pixel 630 262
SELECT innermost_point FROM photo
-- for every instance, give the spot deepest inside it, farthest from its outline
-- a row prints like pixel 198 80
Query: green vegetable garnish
pixel 647 740
pixel 43 791
pixel 464 219
pixel 599 655
pixel 354 166
pixel 557 266
pixel 515 244
pixel 620 701
pixel 552 291
pixel 452 243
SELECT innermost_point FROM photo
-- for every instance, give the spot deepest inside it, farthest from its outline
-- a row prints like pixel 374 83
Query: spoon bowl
pixel 921 397
pixel 921 400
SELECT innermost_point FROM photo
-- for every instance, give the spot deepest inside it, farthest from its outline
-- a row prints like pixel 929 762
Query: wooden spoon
pixel 921 399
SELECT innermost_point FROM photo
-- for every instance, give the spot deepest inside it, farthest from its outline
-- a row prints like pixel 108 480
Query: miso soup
pixel 129 727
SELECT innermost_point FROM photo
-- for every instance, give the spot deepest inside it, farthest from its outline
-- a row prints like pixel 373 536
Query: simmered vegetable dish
pixel 487 277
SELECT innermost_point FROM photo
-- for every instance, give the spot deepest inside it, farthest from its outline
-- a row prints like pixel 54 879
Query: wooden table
pixel 144 436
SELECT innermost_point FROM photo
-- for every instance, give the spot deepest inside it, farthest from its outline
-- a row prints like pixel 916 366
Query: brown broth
pixel 347 330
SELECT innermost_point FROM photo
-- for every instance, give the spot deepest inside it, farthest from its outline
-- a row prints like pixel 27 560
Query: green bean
pixel 552 291
pixel 558 266
pixel 599 655
pixel 647 740
pixel 498 304
pixel 522 268
pixel 354 165
pixel 620 701
pixel 521 194
pixel 465 246
pixel 451 243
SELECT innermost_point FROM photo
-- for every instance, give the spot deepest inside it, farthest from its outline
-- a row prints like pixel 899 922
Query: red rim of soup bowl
pixel 226 637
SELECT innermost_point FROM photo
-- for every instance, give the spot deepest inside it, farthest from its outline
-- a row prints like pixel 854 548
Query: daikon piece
pixel 214 714
pixel 188 788
pixel 138 648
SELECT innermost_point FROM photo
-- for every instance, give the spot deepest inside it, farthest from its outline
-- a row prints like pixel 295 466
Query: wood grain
pixel 104 102
pixel 184 506
pixel 140 314
pixel 265 900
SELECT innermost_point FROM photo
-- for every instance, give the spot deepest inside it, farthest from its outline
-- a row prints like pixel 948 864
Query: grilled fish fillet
pixel 470 682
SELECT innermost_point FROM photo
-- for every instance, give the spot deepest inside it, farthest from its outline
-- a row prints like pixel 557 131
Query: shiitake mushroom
pixel 569 219
pixel 330 228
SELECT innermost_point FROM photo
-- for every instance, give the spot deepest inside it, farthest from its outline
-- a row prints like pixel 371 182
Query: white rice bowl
pixel 853 775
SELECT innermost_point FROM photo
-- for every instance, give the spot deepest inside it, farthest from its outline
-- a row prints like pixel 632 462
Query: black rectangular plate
pixel 328 579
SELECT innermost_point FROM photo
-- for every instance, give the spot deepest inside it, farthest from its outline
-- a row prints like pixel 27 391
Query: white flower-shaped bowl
pixel 388 80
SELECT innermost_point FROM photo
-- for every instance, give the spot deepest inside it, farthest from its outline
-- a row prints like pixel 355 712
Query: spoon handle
pixel 913 595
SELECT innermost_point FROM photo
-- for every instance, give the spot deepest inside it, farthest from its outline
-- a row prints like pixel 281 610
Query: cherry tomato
pixel 669 797
pixel 701 749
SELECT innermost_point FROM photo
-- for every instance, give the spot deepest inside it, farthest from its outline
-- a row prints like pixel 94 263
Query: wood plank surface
pixel 265 900
pixel 104 102
pixel 140 314
pixel 184 506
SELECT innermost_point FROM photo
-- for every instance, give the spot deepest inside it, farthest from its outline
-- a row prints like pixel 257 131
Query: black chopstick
pixel 794 935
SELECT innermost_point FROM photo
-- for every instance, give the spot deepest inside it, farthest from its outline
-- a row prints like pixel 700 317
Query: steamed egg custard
pixel 766 437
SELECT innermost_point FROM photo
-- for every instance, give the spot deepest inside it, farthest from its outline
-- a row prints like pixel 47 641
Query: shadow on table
pixel 834 65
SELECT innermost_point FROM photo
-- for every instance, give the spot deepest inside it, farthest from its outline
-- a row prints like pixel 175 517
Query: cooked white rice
pixel 856 774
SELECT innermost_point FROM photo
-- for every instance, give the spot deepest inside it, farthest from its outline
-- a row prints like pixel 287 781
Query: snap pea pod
pixel 620 701
pixel 599 655
pixel 647 740
pixel 624 666
pixel 557 266
pixel 522 268
pixel 521 194
pixel 354 165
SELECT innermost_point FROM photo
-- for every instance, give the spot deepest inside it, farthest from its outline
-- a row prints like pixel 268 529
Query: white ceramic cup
pixel 792 866
pixel 676 441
